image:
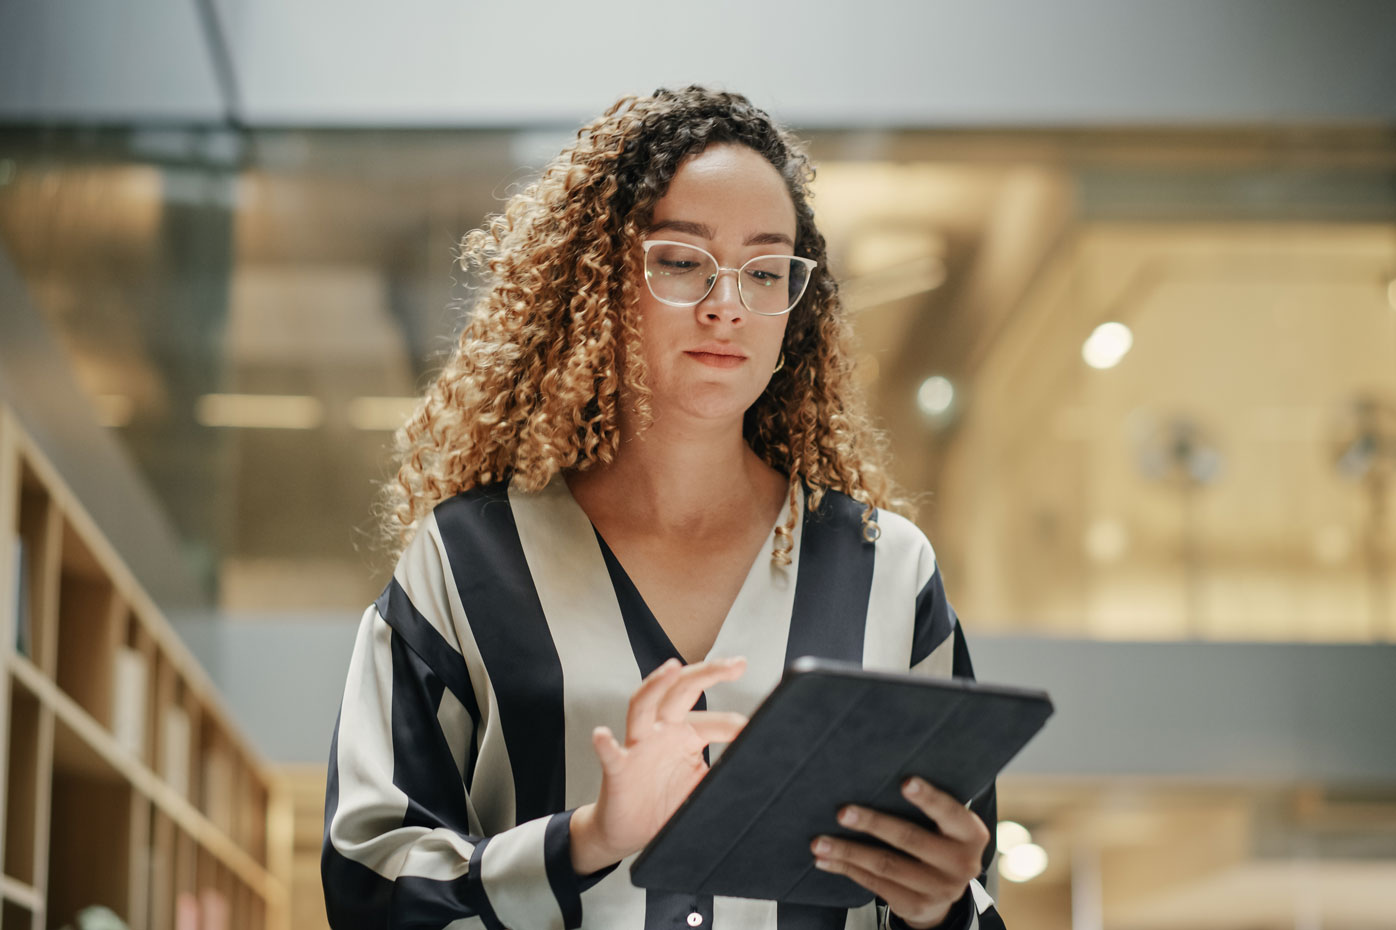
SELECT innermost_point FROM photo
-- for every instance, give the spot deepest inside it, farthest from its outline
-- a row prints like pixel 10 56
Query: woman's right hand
pixel 644 781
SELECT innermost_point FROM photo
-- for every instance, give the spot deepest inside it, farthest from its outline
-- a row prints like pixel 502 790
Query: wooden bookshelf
pixel 125 781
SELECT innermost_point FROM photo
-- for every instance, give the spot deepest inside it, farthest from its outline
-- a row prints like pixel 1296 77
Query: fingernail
pixel 823 847
pixel 824 864
pixel 914 786
pixel 848 817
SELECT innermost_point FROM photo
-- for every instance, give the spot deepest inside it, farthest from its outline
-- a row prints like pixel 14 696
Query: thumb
pixel 607 749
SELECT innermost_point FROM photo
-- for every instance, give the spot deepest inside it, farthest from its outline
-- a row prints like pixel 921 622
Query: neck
pixel 679 476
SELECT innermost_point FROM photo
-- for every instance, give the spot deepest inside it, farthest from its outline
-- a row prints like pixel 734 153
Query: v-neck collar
pixel 648 639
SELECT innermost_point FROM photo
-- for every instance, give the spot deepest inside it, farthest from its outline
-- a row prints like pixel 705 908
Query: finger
pixel 644 703
pixel 941 852
pixel 887 864
pixel 610 752
pixel 953 818
pixel 716 726
pixel 908 904
pixel 683 691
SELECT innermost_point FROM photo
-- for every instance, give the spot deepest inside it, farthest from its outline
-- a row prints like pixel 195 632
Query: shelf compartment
pixel 23 788
pixel 90 629
pixel 252 811
pixel 17 916
pixel 142 642
pixel 38 532
pixel 218 778
pixel 20 893
pixel 92 832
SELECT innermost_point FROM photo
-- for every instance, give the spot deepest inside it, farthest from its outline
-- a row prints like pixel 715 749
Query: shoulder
pixel 898 539
pixel 471 504
pixel 458 524
pixel 470 518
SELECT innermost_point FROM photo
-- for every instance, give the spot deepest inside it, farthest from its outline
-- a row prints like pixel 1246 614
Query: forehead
pixel 732 190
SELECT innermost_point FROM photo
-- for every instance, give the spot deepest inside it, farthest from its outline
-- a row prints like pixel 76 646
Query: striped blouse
pixel 508 633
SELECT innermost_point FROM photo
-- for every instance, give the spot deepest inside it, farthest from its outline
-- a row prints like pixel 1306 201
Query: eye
pixel 767 278
pixel 677 265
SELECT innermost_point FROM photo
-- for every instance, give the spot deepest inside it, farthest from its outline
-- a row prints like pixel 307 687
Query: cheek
pixel 657 333
pixel 778 336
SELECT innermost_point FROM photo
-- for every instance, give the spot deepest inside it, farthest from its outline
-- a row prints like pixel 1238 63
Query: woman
pixel 643 456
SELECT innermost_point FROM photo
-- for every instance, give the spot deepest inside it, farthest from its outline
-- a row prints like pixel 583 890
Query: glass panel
pixel 254 315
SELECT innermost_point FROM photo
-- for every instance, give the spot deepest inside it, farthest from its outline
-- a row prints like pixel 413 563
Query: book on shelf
pixel 23 641
pixel 130 680
pixel 186 911
pixel 216 787
pixel 213 908
pixel 174 749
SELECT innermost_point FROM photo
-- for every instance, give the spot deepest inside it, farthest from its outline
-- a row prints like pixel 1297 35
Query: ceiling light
pixel 1107 345
pixel 935 395
pixel 259 411
pixel 381 413
pixel 1009 834
pixel 1023 863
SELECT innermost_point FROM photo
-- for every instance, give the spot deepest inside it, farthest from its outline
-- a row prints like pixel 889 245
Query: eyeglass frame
pixel 648 244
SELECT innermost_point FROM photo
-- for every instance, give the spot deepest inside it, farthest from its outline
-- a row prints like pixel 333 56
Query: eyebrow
pixel 705 231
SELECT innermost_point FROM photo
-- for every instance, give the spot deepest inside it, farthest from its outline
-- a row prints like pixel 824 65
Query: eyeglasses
pixel 682 275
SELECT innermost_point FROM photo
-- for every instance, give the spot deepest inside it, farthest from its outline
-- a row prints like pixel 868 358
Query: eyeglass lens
pixel 769 284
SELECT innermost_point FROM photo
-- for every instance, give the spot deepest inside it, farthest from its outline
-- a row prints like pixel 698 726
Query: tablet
pixel 831 733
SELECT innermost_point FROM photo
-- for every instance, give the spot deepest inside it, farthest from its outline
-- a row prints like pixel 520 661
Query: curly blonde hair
pixel 534 385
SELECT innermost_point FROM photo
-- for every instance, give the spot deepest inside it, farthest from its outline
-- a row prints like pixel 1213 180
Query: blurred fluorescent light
pixel 935 395
pixel 115 410
pixel 1107 345
pixel 259 411
pixel 1023 863
pixel 381 413
pixel 895 283
pixel 1391 293
pixel 1009 834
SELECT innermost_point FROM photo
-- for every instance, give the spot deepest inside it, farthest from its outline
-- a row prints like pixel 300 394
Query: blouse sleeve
pixel 403 846
pixel 938 647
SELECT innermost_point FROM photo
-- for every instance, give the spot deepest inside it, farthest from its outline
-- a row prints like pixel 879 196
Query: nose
pixel 724 301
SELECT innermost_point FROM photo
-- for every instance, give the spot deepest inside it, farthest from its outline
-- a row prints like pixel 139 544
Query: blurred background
pixel 1124 282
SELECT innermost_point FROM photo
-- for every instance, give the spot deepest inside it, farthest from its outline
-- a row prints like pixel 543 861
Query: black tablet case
pixel 830 734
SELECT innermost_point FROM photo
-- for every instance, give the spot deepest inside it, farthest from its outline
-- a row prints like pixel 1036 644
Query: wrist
pixel 588 850
pixel 955 916
pixel 926 923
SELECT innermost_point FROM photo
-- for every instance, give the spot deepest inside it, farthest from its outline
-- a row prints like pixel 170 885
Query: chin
pixel 709 401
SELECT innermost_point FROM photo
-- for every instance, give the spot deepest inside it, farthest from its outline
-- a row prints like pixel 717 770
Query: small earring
pixel 780 364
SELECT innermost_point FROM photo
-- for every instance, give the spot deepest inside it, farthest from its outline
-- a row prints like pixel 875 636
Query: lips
pixel 716 355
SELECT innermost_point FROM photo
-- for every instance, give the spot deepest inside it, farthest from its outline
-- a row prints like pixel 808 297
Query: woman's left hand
pixel 925 873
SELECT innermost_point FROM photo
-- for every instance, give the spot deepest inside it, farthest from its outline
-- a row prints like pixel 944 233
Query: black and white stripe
pixel 508 633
